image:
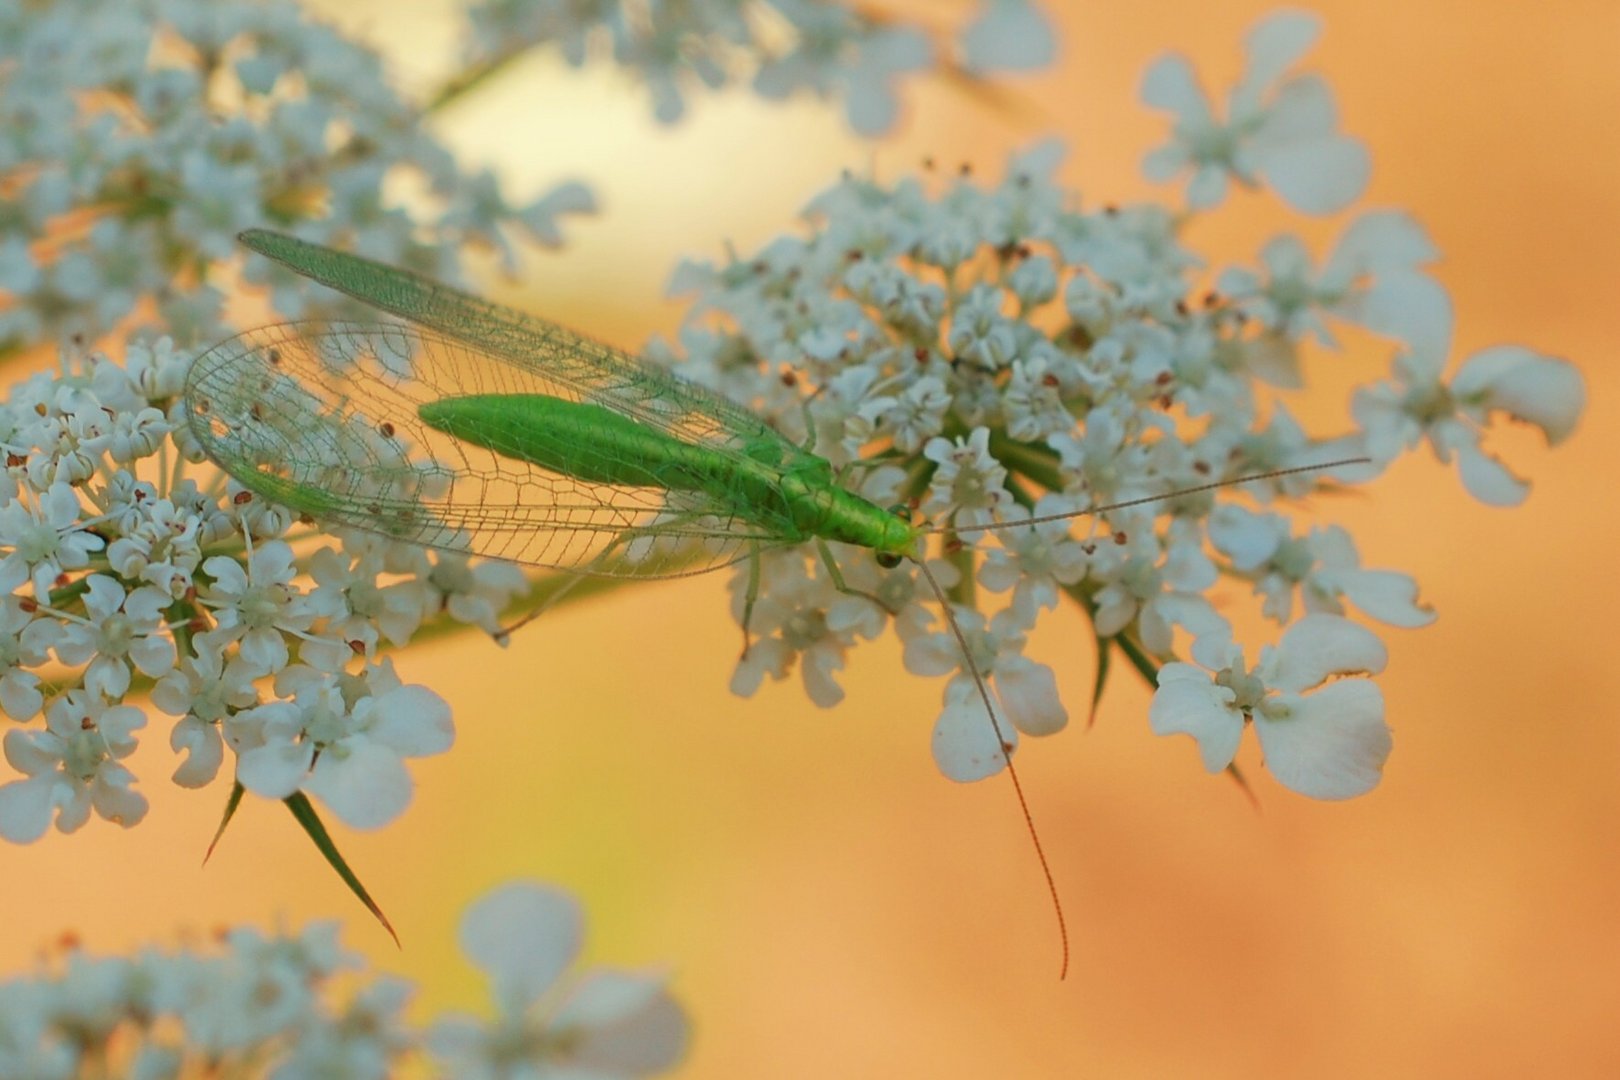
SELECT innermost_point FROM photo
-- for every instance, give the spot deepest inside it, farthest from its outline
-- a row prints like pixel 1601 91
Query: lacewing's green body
pixel 484 430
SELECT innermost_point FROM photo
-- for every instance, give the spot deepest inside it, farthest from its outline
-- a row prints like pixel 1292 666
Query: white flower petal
pixel 204 750
pixel 275 770
pixel 1208 187
pixel 1317 176
pixel 412 720
pixel 1319 647
pixel 1008 35
pixel 1189 702
pixel 1276 41
pixel 1488 480
pixel 817 667
pixel 1379 240
pixel 607 997
pixel 1303 110
pixel 25 807
pixel 1029 696
pixel 1247 538
pixel 1540 390
pixel 651 1039
pixel 1387 596
pixel 1334 743
pixel 20 696
pixel 364 782
pixel 1170 83
pixel 114 800
pixel 1412 307
pixel 524 936
pixel 965 744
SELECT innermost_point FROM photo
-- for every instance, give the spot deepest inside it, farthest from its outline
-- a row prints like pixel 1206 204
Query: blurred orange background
pixel 827 905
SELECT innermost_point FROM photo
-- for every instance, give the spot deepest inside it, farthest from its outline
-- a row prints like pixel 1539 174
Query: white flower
pixel 791 623
pixel 1321 738
pixel 968 484
pixel 1418 405
pixel 918 414
pixel 1035 561
pixel 344 739
pixel 203 690
pixel 1154 587
pixel 258 604
pixel 118 629
pixel 1026 691
pixel 1294 297
pixel 45 541
pixel 1008 35
pixel 1324 566
pixel 979 333
pixel 601 1025
pixel 357 610
pixel 473 593
pixel 1282 132
pixel 71 768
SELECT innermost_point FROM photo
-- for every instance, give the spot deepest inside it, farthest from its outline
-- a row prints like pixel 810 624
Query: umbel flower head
pixel 783 47
pixel 292 1005
pixel 996 353
pixel 137 140
pixel 118 569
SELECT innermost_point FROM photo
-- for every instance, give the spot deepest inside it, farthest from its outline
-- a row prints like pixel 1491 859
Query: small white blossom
pixel 1038 560
pixel 71 768
pixel 790 624
pixel 45 541
pixel 118 630
pixel 1282 132
pixel 1419 405
pixel 1294 297
pixel 1325 739
pixel 258 604
pixel 292 1005
pixel 1026 691
pixel 1323 565
pixel 343 739
pixel 968 483
pixel 602 1024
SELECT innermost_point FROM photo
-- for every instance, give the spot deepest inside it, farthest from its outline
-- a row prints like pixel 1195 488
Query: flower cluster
pixel 253 635
pixel 137 139
pixel 996 354
pixel 269 1005
pixel 852 51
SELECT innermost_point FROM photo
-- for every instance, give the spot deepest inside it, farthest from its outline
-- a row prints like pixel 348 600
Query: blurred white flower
pixel 1293 297
pixel 1282 132
pixel 1419 405
pixel 294 1005
pixel 599 1025
pixel 853 52
pixel 138 139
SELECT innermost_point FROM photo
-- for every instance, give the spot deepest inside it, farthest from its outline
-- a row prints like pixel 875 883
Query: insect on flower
pixel 481 430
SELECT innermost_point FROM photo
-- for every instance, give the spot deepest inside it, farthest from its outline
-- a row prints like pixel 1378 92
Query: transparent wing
pixel 323 418
pixel 589 370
